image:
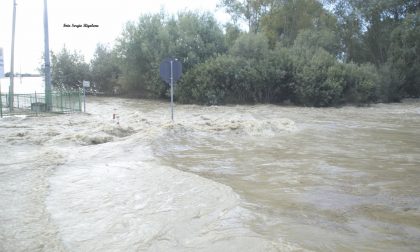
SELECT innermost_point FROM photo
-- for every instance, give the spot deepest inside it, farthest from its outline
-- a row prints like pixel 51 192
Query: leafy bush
pixel 250 46
pixel 318 80
pixel 217 81
pixel 251 73
pixel 190 37
pixel 361 83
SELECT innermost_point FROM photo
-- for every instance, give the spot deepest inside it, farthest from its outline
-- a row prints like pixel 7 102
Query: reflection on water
pixel 269 178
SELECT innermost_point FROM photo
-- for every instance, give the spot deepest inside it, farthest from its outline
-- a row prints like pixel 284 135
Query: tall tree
pixel 191 37
pixel 385 34
pixel 68 70
pixel 250 11
pixel 405 54
pixel 139 48
pixel 368 25
pixel 287 18
pixel 105 70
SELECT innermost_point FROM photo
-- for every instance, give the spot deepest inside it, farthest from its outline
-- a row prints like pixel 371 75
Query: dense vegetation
pixel 308 52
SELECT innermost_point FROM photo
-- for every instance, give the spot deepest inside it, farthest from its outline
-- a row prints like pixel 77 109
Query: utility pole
pixel 48 96
pixel 12 61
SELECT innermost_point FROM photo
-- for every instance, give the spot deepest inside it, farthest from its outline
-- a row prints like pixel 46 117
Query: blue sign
pixel 170 68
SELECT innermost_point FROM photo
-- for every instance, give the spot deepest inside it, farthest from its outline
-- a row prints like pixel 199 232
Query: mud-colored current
pixel 221 178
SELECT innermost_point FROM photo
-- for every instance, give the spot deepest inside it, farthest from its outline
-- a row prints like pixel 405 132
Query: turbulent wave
pixel 231 178
pixel 101 189
pixel 245 126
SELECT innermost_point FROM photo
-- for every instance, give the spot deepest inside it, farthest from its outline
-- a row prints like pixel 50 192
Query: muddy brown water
pixel 225 178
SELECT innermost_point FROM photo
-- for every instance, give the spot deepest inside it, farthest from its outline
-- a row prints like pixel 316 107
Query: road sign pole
pixel 172 91
pixel 84 99
pixel 170 71
pixel 85 85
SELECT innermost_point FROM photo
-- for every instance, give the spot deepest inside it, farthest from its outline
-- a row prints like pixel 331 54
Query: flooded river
pixel 220 178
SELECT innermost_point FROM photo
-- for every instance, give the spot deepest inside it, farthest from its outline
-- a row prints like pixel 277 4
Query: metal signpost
pixel 170 72
pixel 86 84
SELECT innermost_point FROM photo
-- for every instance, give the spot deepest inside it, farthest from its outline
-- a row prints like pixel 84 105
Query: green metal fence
pixel 62 102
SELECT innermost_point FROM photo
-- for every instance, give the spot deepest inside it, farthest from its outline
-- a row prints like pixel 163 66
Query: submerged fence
pixel 62 102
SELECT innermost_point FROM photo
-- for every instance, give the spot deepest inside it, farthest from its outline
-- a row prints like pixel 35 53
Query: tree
pixel 250 73
pixel 68 70
pixel 250 46
pixel 405 54
pixel 195 38
pixel 350 32
pixel 232 32
pixel 319 38
pixel 250 11
pixel 372 23
pixel 190 37
pixel 105 70
pixel 139 49
pixel 287 18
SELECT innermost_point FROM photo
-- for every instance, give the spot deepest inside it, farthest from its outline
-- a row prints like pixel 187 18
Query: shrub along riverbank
pixel 304 51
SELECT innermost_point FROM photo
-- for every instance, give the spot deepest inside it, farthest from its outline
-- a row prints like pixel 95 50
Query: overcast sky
pixel 110 16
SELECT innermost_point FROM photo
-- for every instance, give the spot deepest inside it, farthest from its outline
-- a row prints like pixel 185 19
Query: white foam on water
pixel 98 187
pixel 87 182
pixel 107 199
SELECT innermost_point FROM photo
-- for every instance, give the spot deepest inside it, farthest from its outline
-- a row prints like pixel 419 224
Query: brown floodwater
pixel 225 178
pixel 341 179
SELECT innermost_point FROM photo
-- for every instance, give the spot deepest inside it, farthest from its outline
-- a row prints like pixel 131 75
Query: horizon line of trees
pixel 308 52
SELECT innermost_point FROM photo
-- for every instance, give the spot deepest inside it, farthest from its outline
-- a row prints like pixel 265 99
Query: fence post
pixel 69 95
pixel 36 105
pixel 80 101
pixel 61 99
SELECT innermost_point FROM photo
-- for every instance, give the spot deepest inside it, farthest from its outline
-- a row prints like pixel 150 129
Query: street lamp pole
pixel 12 61
pixel 48 96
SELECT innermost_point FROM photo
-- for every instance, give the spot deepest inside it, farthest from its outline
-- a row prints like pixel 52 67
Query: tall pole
pixel 12 61
pixel 48 97
pixel 172 90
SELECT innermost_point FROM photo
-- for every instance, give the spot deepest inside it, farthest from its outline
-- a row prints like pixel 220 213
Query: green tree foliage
pixel 386 34
pixel 68 70
pixel 313 85
pixel 309 52
pixel 405 54
pixel 232 78
pixel 305 74
pixel 191 37
pixel 249 73
pixel 195 37
pixel 105 70
pixel 322 80
pixel 287 18
pixel 322 38
pixel 250 46
pixel 249 11
pixel 140 47
pixel 232 32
